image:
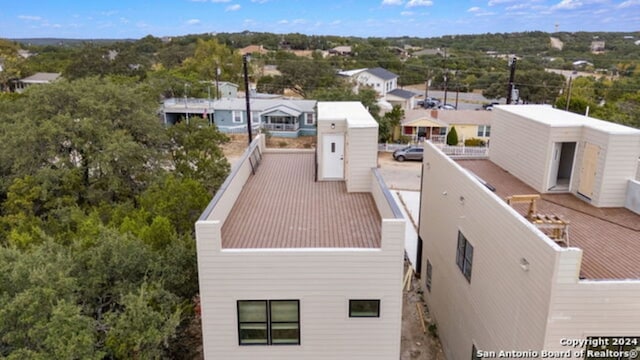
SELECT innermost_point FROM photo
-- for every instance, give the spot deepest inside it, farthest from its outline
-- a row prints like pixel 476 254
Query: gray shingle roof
pixel 405 94
pixel 382 73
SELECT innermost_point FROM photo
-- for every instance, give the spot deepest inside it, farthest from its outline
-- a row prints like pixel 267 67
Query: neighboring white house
pixel 301 256
pixel 379 79
pixel 496 280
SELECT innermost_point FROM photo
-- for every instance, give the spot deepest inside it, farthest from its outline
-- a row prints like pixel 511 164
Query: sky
pixel 117 19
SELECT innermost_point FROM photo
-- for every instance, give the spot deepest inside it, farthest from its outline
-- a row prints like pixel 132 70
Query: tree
pixel 196 154
pixel 106 133
pixel 143 329
pixel 452 137
pixel 303 75
pixel 208 57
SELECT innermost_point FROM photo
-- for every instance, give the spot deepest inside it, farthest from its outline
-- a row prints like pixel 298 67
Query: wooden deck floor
pixel 609 237
pixel 281 206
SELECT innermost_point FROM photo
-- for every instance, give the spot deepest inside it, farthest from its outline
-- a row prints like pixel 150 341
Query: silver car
pixel 408 153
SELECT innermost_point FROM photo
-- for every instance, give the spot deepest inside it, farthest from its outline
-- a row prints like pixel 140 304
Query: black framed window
pixel 429 274
pixel 252 322
pixel 364 308
pixel 464 256
pixel 269 322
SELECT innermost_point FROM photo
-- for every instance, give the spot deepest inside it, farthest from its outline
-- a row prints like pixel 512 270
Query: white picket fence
pixel 464 151
pixel 453 151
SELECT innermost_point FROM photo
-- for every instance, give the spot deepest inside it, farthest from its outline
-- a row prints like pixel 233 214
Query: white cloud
pixel 193 21
pixel 109 13
pixel 336 22
pixel 485 13
pixel 407 13
pixel 220 1
pixel 282 22
pixel 299 21
pixel 259 1
pixel 474 9
pixel 517 7
pixel 413 3
pixel 498 2
pixel 567 5
pixel 629 3
pixel 234 7
pixel 391 2
pixel 29 17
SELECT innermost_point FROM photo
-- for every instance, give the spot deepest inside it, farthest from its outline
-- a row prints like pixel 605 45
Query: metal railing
pixel 281 127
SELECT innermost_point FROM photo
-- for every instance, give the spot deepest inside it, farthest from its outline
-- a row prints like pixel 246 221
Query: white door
pixel 588 170
pixel 333 156
pixel 555 165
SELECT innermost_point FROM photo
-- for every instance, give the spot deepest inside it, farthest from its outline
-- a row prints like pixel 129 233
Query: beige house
pixel 434 125
pixel 300 253
pixel 511 278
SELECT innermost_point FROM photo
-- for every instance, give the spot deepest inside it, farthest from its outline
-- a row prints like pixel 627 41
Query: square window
pixel 364 308
pixel 280 325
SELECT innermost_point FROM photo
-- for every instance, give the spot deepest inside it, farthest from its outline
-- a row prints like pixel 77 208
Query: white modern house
pixel 496 278
pixel 300 253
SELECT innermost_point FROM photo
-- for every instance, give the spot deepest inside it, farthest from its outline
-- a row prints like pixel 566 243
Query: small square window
pixel 364 308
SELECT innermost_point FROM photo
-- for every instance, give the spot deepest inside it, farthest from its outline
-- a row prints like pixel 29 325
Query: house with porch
pixel 433 125
pixel 512 264
pixel 300 252
pixel 281 117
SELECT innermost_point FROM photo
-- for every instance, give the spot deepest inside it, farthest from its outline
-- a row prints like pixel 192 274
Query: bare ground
pixel 418 342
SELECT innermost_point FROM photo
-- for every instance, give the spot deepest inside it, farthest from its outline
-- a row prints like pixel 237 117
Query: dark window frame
pixel 268 323
pixel 429 275
pixel 464 256
pixel 352 301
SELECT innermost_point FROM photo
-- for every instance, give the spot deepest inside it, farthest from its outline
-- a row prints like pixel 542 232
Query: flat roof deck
pixel 282 206
pixel 609 237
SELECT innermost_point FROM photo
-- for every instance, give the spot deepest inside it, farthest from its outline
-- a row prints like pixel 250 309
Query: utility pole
pixel 246 94
pixel 512 75
pixel 217 87
pixel 566 108
pixel 446 79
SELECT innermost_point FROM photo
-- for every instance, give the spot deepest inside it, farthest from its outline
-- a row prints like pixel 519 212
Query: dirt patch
pixel 418 344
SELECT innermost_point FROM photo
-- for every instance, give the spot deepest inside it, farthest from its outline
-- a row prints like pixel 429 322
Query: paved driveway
pixel 400 175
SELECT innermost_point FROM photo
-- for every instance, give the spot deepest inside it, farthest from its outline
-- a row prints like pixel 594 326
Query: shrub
pixel 452 137
pixel 475 142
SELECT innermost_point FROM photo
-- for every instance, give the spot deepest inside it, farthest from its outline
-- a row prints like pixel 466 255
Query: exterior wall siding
pixel 593 308
pixel 619 167
pixel 322 279
pixel 361 145
pixel 503 306
pixel 521 147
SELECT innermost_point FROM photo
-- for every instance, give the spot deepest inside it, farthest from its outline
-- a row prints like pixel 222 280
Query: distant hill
pixel 69 42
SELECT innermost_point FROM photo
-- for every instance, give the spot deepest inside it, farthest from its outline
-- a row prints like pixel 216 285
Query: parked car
pixel 447 107
pixel 431 102
pixel 489 106
pixel 408 153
